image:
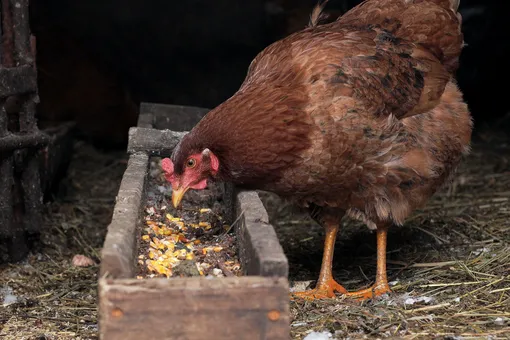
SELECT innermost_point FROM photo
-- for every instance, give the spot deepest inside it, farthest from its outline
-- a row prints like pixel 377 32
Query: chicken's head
pixel 193 173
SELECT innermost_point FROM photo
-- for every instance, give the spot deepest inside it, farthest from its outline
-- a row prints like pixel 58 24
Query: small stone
pixel 82 261
pixel 499 321
pixel 186 268
pixel 318 336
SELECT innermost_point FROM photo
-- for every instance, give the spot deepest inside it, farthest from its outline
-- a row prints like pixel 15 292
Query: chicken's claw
pixel 370 293
pixel 322 291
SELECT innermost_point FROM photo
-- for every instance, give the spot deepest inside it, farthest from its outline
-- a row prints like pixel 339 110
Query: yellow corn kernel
pixel 165 231
pixel 146 237
pixel 190 256
pixel 169 217
pixel 171 246
pixel 159 268
pixel 180 254
pixel 204 224
pixel 204 210
pixel 217 249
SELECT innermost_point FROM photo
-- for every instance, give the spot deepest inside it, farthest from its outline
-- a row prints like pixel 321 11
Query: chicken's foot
pixel 380 286
pixel 326 285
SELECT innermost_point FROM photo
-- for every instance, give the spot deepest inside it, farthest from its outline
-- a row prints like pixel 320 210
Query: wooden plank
pixel 194 308
pixel 145 118
pixel 17 80
pixel 16 141
pixel 120 247
pixel 260 251
pixel 155 142
pixel 173 117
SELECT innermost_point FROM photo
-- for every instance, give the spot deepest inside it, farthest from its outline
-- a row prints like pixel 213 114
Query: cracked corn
pixel 169 241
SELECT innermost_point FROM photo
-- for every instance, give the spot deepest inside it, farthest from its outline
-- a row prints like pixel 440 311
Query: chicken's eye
pixel 191 163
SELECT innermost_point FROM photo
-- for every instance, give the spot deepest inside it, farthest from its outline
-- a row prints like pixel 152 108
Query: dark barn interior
pixel 96 61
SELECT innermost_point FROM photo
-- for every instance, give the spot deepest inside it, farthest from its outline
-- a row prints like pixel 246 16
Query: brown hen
pixel 359 117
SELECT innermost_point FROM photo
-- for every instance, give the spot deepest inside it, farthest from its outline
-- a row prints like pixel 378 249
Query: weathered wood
pixel 20 138
pixel 18 141
pixel 194 308
pixel 32 194
pixel 260 251
pixel 56 156
pixel 21 25
pixel 18 80
pixel 120 248
pixel 255 306
pixel 6 208
pixel 155 142
pixel 145 119
pixel 173 117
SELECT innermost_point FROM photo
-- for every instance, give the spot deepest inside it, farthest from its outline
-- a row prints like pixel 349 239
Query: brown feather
pixel 317 13
pixel 360 115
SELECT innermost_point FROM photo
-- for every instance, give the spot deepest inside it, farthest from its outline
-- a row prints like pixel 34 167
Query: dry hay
pixel 55 300
pixel 449 266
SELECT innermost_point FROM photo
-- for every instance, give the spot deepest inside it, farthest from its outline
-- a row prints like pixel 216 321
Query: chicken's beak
pixel 177 196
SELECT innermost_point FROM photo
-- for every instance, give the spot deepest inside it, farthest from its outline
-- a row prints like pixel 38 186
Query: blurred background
pixel 97 60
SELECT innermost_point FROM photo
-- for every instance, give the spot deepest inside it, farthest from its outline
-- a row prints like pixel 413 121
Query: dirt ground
pixel 449 266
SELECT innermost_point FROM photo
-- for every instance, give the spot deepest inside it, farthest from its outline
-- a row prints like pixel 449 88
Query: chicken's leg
pixel 380 286
pixel 326 285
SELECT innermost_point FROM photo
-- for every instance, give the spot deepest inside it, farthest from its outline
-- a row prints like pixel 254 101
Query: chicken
pixel 360 117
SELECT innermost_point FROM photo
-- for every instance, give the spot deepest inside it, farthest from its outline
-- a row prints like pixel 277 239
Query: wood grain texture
pixel 18 80
pixel 155 142
pixel 194 308
pixel 173 117
pixel 260 251
pixel 120 248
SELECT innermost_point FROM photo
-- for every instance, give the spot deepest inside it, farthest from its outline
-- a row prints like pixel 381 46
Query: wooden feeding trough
pixel 252 306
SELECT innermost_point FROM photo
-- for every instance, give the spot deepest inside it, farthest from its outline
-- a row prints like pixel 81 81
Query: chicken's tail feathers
pixel 317 13
pixel 433 24
pixel 448 4
pixel 455 4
